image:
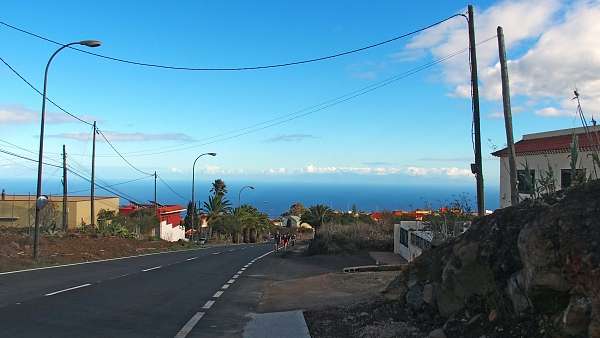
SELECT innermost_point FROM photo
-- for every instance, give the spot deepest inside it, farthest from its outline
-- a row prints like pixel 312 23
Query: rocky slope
pixel 528 270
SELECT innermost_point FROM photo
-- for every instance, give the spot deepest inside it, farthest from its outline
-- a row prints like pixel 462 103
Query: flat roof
pixel 11 197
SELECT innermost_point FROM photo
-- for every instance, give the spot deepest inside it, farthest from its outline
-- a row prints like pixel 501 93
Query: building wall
pixel 170 233
pixel 539 163
pixel 22 210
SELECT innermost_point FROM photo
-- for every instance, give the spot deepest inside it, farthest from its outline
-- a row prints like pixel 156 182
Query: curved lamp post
pixel 38 208
pixel 194 186
pixel 240 194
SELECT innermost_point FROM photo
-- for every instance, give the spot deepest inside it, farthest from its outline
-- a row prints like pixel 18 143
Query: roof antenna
pixel 593 121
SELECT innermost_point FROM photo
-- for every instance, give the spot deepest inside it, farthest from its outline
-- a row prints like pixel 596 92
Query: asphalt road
pixel 164 295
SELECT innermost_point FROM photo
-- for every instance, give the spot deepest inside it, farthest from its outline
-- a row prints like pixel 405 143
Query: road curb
pixel 374 268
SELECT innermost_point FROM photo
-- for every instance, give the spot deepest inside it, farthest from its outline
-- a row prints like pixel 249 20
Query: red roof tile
pixel 552 144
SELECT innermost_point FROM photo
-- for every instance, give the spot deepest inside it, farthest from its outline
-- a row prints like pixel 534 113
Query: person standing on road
pixel 276 240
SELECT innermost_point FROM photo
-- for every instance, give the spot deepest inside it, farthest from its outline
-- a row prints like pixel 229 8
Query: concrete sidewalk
pixel 288 324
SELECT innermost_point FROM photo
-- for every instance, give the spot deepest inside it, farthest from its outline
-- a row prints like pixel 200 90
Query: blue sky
pixel 414 131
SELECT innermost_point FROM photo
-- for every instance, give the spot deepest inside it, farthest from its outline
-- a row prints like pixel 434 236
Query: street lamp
pixel 36 237
pixel 194 187
pixel 240 194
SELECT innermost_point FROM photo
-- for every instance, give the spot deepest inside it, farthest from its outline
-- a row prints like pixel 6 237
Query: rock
pixel 516 293
pixel 576 317
pixel 437 333
pixel 474 319
pixel 414 296
pixel 466 252
pixel 493 315
pixel 429 294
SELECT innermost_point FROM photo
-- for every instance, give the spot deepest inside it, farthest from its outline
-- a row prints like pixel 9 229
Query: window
pixel 565 176
pixel 419 242
pixel 524 186
pixel 404 237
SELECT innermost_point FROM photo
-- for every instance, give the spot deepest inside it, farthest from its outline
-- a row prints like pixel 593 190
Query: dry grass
pixel 335 239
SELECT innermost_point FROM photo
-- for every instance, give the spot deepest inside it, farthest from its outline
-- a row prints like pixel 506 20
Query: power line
pixel 34 88
pixel 121 155
pixel 172 190
pixel 243 68
pixel 312 109
pixel 71 171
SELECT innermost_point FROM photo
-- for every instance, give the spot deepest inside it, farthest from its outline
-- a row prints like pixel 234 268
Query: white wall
pixel 170 233
pixel 539 163
pixel 411 251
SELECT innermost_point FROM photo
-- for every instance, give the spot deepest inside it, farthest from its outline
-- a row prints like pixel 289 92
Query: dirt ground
pixel 16 249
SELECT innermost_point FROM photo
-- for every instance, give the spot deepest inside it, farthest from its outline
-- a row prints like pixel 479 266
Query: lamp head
pixel 90 43
pixel 212 154
pixel 41 202
pixel 251 187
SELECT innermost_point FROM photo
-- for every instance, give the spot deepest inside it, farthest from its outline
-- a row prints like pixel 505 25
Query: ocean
pixel 275 197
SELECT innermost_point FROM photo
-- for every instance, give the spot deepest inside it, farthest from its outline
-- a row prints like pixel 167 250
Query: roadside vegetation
pixel 243 224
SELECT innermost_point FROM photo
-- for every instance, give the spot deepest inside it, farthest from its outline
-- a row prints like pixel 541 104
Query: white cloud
pixel 276 171
pixel 114 136
pixel 19 114
pixel 290 138
pixel 410 170
pixel 176 170
pixel 552 48
pixel 553 112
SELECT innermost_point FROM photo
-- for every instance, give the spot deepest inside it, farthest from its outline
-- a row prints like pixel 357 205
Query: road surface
pixel 162 295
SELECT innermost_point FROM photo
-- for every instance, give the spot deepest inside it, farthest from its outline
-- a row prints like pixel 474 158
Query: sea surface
pixel 276 197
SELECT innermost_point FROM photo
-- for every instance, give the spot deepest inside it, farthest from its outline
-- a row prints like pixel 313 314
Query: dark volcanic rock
pixel 535 265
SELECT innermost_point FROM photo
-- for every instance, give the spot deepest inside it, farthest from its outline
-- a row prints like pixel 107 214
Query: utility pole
pixel 92 209
pixel 64 206
pixel 510 142
pixel 157 230
pixel 476 168
pixel 155 205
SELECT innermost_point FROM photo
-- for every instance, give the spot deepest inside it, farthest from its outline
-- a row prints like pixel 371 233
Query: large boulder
pixel 538 259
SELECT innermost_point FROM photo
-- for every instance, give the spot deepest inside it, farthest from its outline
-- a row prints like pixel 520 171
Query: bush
pixel 350 239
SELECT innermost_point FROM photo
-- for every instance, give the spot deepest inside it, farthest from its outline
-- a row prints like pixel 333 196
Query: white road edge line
pixel 96 261
pixel 235 276
pixel 68 289
pixel 242 269
pixel 240 272
pixel 225 286
pixel 185 330
pixel 216 253
pixel 154 268
pixel 208 304
pixel 218 294
pixel 231 281
pixel 191 258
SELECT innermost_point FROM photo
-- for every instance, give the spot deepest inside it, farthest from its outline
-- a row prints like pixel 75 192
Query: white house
pixel 411 239
pixel 293 222
pixel 551 148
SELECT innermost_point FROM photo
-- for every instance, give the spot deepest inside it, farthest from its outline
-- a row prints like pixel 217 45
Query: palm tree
pixel 316 215
pixel 215 207
pixel 219 187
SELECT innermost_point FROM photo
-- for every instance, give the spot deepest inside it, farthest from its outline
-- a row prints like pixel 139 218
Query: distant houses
pixel 552 149
pixel 169 216
pixel 18 211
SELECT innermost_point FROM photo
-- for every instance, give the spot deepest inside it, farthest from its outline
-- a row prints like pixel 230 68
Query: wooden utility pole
pixel 65 224
pixel 510 142
pixel 155 205
pixel 476 168
pixel 92 209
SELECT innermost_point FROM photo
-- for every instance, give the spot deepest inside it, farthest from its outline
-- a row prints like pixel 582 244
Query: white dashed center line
pixel 216 253
pixel 208 304
pixel 231 281
pixel 235 276
pixel 189 325
pixel 218 294
pixel 225 287
pixel 154 268
pixel 191 258
pixel 68 289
